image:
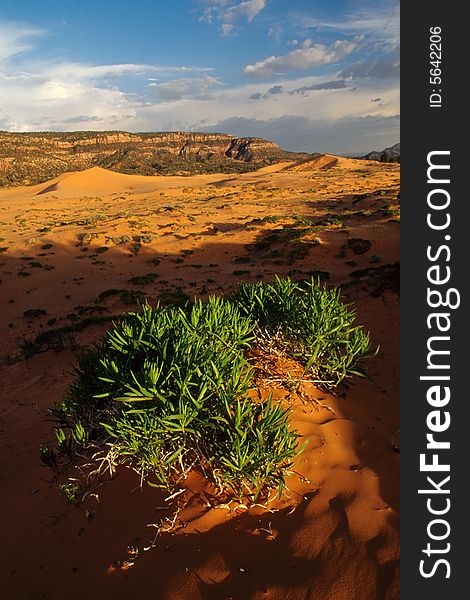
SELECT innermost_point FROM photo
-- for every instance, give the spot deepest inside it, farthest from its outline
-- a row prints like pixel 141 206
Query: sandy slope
pixel 334 535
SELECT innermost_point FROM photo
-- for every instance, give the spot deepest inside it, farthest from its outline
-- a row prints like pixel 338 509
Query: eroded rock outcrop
pixel 391 154
pixel 29 158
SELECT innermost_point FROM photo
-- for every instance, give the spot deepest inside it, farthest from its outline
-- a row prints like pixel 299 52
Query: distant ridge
pixel 30 158
pixel 391 154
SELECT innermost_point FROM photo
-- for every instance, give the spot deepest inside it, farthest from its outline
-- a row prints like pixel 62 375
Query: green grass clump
pixel 168 386
pixel 330 220
pixel 309 323
pixel 70 491
pixel 271 219
pixel 167 389
pixel 144 279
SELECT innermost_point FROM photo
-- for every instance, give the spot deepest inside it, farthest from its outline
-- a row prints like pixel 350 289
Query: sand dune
pixel 102 181
pixel 71 253
pixel 327 161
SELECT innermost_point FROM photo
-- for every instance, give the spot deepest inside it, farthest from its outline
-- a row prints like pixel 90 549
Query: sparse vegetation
pixel 119 240
pixel 143 279
pixel 59 338
pixel 70 491
pixel 309 323
pixel 359 246
pixel 32 313
pixel 167 389
pixel 145 154
pixel 128 297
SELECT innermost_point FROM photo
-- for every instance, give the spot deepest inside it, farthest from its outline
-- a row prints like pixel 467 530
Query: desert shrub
pixel 310 323
pixel 144 279
pixel 32 313
pixel 167 389
pixel 359 246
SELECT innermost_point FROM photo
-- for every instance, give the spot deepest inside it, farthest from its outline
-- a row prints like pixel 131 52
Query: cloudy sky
pixel 312 75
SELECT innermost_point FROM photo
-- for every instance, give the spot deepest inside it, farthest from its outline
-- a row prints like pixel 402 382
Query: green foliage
pixel 330 220
pixel 168 387
pixel 309 323
pixel 48 457
pixel 271 219
pixel 70 491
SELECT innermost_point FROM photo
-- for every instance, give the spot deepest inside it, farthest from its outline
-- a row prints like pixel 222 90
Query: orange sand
pixel 334 534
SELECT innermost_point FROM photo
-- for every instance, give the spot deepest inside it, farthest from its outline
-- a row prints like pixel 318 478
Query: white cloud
pixel 248 9
pixel 228 14
pixel 178 89
pixel 15 39
pixel 81 71
pixel 276 31
pixel 349 135
pixel 227 28
pixel 39 95
pixel 301 59
pixel 66 96
pixel 380 25
pixel 315 97
pixel 378 68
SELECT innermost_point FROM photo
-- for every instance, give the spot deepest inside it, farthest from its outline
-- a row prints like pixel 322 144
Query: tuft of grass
pixel 173 296
pixel 270 219
pixel 59 338
pixel 154 261
pixel 70 491
pixel 146 238
pixel 242 260
pixel 144 279
pixel 167 389
pixel 48 457
pixel 330 220
pixel 119 240
pixel 107 293
pixel 359 245
pixel 32 313
pixel 309 323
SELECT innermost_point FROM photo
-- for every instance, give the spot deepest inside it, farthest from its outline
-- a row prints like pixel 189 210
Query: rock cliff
pixel 29 158
pixel 391 154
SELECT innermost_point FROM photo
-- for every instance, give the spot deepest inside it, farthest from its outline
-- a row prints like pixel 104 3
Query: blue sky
pixel 311 75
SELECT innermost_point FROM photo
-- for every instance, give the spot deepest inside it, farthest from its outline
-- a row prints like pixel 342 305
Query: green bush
pixel 167 388
pixel 309 323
